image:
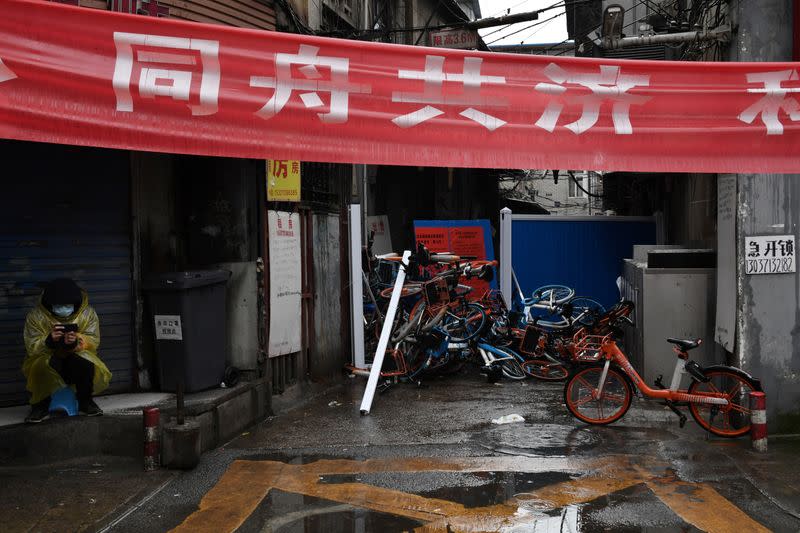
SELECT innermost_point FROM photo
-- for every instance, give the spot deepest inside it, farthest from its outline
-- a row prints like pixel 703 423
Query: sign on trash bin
pixel 168 327
pixel 769 254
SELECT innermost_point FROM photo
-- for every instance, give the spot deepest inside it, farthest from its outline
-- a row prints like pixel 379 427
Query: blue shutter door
pixel 66 213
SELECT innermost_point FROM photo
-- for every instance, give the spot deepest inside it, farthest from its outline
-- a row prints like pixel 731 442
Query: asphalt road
pixel 429 459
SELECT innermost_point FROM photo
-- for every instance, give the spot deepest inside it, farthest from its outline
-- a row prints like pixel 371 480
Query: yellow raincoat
pixel 43 380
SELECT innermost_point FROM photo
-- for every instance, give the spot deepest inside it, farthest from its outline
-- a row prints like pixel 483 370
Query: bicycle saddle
pixel 685 344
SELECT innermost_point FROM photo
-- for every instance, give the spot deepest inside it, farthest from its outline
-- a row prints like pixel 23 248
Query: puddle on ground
pixel 539 439
pixel 470 489
pixel 455 501
pixel 631 511
pixel 285 512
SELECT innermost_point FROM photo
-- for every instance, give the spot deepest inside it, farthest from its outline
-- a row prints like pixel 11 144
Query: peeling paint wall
pixel 768 325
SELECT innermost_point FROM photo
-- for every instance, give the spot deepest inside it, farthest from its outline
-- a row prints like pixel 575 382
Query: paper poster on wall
pixel 378 226
pixel 467 238
pixel 284 283
pixel 283 181
pixel 769 254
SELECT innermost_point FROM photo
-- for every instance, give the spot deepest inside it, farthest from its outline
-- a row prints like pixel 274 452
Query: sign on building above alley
pixel 460 38
pixel 161 85
pixel 770 254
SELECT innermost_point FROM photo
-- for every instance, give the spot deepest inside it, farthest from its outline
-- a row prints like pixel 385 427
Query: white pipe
pixel 383 342
pixel 356 287
pixel 505 256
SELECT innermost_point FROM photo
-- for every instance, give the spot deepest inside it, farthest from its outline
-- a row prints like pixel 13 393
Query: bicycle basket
pixel 436 292
pixel 588 348
pixel 530 341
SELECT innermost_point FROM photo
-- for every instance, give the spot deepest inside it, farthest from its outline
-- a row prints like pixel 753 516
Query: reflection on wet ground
pixel 285 512
pixel 509 494
pixel 633 510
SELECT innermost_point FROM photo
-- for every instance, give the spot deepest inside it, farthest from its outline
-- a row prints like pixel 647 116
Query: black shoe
pixel 90 409
pixel 39 412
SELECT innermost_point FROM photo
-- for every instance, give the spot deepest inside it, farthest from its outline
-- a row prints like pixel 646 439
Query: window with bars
pixel 324 185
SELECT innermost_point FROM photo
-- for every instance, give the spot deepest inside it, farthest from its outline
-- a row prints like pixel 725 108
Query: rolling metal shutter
pixel 65 213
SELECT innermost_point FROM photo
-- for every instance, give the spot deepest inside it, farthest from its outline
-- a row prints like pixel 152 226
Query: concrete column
pixel 768 306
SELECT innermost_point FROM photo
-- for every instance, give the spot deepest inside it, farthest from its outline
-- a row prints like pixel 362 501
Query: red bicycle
pixel 600 389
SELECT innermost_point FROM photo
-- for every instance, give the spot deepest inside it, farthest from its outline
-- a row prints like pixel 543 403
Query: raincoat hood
pixel 62 291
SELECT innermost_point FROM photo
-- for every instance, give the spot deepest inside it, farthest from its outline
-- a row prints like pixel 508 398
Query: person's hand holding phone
pixel 57 332
pixel 70 338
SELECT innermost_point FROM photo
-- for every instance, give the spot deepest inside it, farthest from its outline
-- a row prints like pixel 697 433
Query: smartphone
pixel 69 327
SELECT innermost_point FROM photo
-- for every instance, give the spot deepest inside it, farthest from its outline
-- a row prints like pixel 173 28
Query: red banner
pixel 87 77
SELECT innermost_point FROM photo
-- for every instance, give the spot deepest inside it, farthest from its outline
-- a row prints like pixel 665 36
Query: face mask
pixel 63 311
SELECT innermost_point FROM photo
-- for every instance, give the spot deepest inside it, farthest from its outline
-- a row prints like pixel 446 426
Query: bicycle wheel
pixel 511 367
pixel 545 370
pixel 512 370
pixel 560 293
pixel 465 323
pixel 585 310
pixel 581 399
pixel 732 420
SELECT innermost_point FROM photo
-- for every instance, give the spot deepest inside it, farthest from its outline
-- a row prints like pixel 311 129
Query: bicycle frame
pixel 612 354
pixel 491 355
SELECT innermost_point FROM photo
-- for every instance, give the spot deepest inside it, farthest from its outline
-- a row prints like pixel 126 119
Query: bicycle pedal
pixel 682 421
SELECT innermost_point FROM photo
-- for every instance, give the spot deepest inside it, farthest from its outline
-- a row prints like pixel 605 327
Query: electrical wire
pixel 527 28
pixel 560 3
pixel 586 30
pixel 537 30
pixel 578 185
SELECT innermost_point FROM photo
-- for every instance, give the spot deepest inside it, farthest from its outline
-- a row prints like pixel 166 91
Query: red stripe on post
pixel 758 421
pixel 151 417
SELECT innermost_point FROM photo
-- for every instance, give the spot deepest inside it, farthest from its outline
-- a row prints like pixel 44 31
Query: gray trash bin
pixel 188 314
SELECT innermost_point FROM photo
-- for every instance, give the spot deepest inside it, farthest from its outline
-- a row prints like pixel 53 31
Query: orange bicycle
pixel 600 388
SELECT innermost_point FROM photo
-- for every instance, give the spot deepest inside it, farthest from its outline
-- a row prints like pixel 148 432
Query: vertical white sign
pixel 378 227
pixel 284 283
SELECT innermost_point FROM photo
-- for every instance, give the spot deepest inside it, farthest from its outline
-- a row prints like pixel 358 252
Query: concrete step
pixel 221 414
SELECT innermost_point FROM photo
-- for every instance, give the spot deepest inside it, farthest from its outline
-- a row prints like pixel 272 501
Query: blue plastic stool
pixel 63 401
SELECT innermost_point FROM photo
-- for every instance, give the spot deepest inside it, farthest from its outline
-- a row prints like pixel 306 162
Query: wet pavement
pixel 429 459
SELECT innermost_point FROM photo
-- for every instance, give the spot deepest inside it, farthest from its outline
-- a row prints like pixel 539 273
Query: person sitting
pixel 62 334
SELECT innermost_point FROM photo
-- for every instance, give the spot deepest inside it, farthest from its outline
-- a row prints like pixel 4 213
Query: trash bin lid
pixel 178 281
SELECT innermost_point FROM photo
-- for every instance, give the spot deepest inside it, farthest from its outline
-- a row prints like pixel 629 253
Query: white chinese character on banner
pixel 6 73
pixel 169 65
pixel 338 85
pixel 607 85
pixel 776 98
pixel 434 77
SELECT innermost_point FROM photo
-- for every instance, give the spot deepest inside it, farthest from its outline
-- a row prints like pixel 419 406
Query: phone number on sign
pixel 770 266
